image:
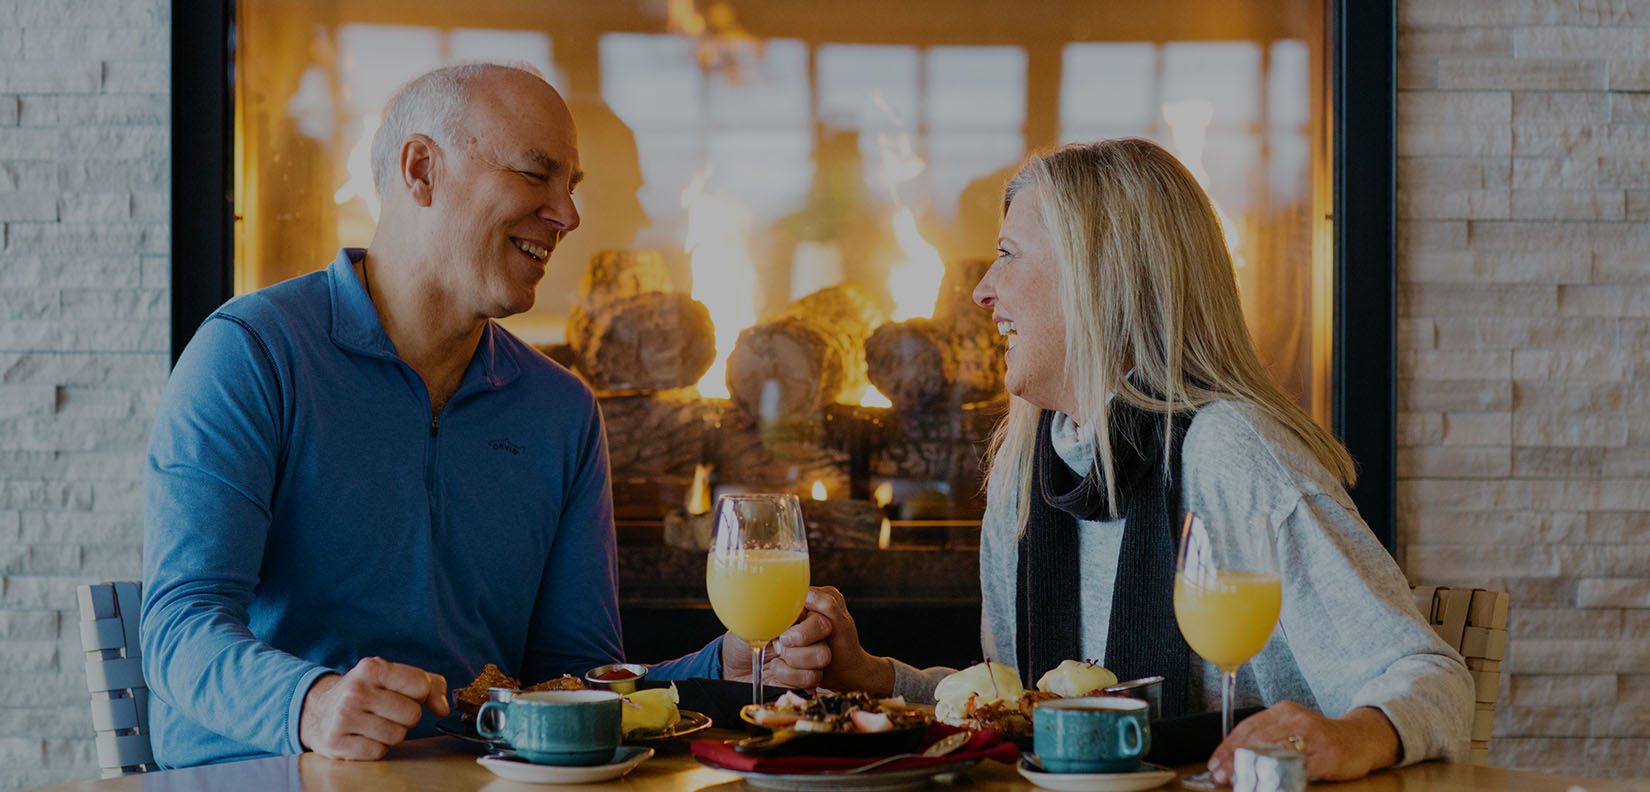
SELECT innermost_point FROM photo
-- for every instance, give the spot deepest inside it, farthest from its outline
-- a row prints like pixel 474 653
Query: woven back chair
pixel 114 676
pixel 1474 622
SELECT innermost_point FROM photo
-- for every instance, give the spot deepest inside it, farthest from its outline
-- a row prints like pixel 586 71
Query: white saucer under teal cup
pixel 556 727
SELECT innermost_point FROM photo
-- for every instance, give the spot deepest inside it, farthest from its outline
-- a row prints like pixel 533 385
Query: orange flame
pixel 819 490
pixel 682 18
pixel 724 271
pixel 884 494
pixel 699 493
pixel 913 281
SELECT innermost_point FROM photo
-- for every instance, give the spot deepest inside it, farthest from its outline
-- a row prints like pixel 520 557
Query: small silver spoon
pixel 941 747
pixel 1133 684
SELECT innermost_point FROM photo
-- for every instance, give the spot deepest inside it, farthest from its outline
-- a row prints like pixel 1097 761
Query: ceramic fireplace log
pixel 645 341
pixel 954 358
pixel 940 445
pixel 656 433
pixel 629 331
pixel 918 364
pixel 777 457
pixel 790 367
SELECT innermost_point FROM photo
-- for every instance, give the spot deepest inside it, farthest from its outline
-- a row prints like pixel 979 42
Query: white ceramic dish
pixel 1149 776
pixel 872 781
pixel 507 765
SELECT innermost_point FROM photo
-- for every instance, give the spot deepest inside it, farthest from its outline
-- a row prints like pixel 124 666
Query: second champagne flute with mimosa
pixel 757 572
pixel 1227 593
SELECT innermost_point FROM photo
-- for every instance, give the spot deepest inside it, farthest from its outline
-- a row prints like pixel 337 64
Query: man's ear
pixel 418 156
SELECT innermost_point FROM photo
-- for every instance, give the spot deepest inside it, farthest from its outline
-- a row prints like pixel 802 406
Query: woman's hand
pixel 850 667
pixel 1336 749
pixel 796 659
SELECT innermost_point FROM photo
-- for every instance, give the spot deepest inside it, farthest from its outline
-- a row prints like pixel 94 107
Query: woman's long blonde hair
pixel 1146 282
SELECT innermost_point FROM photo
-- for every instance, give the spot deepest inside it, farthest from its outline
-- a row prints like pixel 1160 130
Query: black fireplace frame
pixel 1363 375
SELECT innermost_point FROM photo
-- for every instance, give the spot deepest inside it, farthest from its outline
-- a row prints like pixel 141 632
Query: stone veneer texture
pixel 84 211
pixel 1524 367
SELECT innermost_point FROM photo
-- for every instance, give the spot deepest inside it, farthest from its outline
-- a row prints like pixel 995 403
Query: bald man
pixel 360 485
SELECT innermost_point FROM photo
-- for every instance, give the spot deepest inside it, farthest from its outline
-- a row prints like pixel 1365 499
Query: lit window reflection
pixel 833 147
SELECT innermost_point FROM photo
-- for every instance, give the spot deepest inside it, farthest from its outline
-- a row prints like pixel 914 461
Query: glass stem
pixel 1228 689
pixel 759 653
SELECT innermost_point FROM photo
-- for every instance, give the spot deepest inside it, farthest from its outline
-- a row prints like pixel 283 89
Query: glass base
pixel 1199 781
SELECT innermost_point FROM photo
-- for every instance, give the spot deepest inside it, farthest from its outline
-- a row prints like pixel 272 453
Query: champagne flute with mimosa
pixel 757 574
pixel 1227 593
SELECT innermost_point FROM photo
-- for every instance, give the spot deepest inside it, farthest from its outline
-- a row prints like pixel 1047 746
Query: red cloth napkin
pixel 983 745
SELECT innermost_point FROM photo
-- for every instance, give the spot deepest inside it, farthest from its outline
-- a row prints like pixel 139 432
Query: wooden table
pixel 446 763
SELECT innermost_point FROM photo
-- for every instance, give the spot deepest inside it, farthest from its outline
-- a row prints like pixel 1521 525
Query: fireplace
pixel 788 206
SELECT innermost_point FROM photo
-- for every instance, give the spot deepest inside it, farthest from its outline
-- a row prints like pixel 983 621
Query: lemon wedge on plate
pixel 650 710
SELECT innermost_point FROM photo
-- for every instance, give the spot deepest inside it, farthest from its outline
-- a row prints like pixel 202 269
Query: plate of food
pixel 649 716
pixel 833 724
pixel 989 695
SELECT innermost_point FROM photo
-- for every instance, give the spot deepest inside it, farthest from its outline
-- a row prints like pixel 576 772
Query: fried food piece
pixel 564 682
pixel 474 694
pixel 1011 717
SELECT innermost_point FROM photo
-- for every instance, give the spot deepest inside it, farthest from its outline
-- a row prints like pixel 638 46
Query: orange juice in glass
pixel 758 593
pixel 1227 594
pixel 757 571
pixel 1227 620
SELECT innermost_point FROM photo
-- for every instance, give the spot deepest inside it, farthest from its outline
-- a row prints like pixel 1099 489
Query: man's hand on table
pixel 360 714
pixel 1337 749
pixel 796 659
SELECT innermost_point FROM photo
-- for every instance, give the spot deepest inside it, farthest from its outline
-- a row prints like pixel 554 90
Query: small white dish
pixel 508 765
pixel 1149 776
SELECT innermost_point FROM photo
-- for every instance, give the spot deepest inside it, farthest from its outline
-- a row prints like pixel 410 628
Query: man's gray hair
pixel 431 104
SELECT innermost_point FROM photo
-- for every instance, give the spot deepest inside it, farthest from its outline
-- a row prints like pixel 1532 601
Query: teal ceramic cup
pixel 556 727
pixel 1091 734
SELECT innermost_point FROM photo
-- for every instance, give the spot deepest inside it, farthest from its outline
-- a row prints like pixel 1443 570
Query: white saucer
pixel 508 765
pixel 1149 776
pixel 869 781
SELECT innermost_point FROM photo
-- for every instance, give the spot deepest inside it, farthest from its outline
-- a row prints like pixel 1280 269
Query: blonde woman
pixel 1137 396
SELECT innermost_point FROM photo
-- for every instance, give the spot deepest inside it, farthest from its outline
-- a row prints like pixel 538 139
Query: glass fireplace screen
pixel 824 179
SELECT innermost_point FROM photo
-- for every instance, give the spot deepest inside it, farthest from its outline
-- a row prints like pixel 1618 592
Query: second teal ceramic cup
pixel 1091 734
pixel 557 727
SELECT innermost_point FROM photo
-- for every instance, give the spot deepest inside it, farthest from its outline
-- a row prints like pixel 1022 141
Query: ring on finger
pixel 1296 742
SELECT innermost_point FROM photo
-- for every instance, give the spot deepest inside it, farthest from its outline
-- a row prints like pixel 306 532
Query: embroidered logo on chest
pixel 506 445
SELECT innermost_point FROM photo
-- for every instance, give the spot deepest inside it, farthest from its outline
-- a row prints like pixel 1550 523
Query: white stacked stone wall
pixel 1524 349
pixel 1524 353
pixel 84 211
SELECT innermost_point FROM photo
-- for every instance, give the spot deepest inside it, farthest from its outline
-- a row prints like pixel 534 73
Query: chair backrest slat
pixel 114 714
pixel 114 676
pixel 1474 623
pixel 102 634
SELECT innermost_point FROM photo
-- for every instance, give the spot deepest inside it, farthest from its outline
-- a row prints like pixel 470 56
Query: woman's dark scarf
pixel 1142 638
